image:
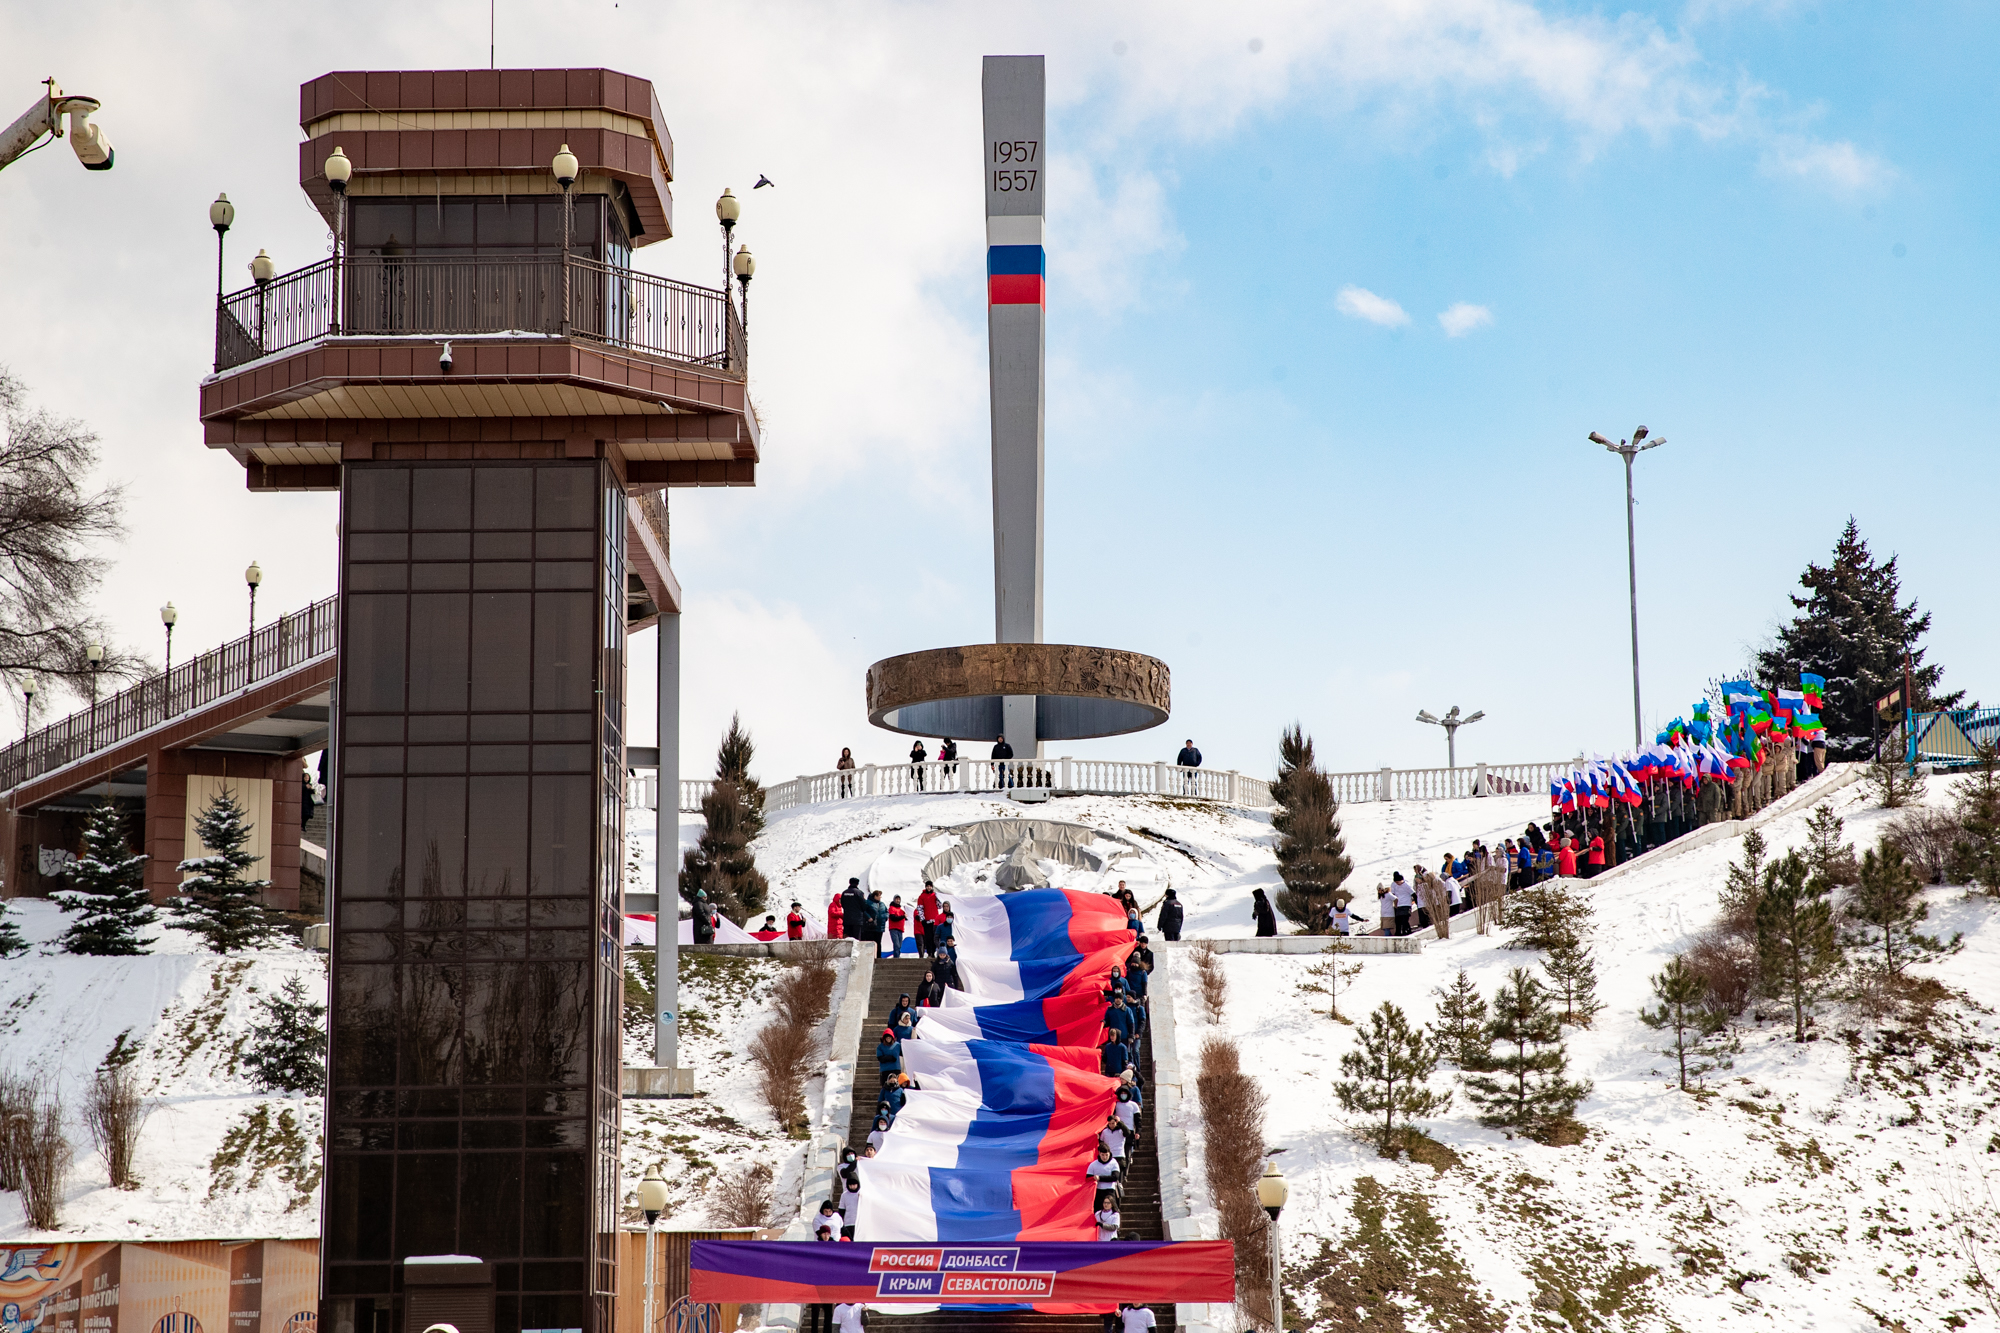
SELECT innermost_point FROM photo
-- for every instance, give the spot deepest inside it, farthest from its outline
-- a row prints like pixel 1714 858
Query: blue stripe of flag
pixel 1015 259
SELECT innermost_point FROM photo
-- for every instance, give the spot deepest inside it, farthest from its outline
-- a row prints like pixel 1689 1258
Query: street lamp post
pixel 339 170
pixel 94 654
pixel 1629 450
pixel 746 268
pixel 1451 722
pixel 566 169
pixel 27 705
pixel 728 208
pixel 652 1202
pixel 252 576
pixel 167 617
pixel 262 269
pixel 1272 1191
pixel 221 214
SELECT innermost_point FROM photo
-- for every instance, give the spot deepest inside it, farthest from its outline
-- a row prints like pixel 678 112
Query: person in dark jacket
pixel 1171 916
pixel 1267 920
pixel 1116 1055
pixel 878 912
pixel 944 930
pixel 903 1018
pixel 703 920
pixel 917 757
pixel 930 992
pixel 1119 1018
pixel 1003 773
pixel 1189 757
pixel 889 1053
pixel 854 914
pixel 1142 954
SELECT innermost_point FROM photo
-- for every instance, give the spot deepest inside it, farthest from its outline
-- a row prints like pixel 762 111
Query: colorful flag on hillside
pixel 1814 689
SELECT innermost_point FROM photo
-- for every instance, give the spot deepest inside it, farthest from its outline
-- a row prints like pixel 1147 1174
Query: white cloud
pixel 1841 165
pixel 1462 318
pixel 1364 304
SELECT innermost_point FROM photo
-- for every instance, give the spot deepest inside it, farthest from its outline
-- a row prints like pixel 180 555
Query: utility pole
pixel 1629 450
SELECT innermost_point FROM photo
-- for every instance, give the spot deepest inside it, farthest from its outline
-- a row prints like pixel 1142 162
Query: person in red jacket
pixel 834 928
pixel 795 924
pixel 930 911
pixel 898 920
pixel 1594 863
pixel 1566 859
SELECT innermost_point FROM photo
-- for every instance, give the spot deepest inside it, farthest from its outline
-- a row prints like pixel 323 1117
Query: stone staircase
pixel 1143 1219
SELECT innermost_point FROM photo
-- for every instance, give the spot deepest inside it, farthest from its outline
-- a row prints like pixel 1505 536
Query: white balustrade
pixel 1114 777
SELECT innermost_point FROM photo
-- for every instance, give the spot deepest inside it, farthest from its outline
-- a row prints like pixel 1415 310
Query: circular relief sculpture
pixel 1080 693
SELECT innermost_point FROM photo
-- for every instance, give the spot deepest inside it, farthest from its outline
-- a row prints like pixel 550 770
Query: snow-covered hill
pixel 1834 1184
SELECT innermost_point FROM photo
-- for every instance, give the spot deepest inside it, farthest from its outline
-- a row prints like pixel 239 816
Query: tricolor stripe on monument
pixel 1016 275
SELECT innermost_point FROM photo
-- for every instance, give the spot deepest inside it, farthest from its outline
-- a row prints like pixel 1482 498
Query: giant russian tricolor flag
pixel 1059 1020
pixel 1037 943
pixel 990 1146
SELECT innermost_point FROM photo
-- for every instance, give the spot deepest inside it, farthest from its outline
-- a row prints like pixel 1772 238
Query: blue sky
pixel 1762 229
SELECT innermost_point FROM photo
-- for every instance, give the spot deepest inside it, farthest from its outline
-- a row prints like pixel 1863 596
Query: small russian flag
pixel 1016 275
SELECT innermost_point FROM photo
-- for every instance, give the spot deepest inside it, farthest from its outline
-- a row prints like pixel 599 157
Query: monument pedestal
pixel 649 1081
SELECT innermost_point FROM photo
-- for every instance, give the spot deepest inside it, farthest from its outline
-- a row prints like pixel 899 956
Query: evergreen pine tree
pixel 1742 885
pixel 1572 969
pixel 1329 973
pixel 1461 1022
pixel 1975 853
pixel 1524 1086
pixel 11 941
pixel 1797 954
pixel 1684 1010
pixel 1893 783
pixel 1827 855
pixel 1851 629
pixel 1387 1072
pixel 216 902
pixel 720 866
pixel 288 1052
pixel 1890 899
pixel 107 890
pixel 1312 857
pixel 1541 913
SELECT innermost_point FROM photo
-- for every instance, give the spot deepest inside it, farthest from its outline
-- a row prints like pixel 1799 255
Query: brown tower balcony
pixel 476 310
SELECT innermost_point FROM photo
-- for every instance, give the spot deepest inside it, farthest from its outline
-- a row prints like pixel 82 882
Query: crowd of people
pixel 1122 1029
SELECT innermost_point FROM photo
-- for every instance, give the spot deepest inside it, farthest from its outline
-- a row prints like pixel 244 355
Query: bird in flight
pixel 762 181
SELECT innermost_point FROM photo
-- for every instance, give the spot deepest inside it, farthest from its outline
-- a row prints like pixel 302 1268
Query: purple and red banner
pixel 1024 1272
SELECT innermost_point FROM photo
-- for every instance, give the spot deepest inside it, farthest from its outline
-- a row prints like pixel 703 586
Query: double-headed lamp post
pixel 652 1202
pixel 1629 450
pixel 1272 1191
pixel 1451 722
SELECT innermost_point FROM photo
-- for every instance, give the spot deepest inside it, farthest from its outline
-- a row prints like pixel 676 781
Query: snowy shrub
pixel 1232 1117
pixel 115 1112
pixel 1726 961
pixel 1797 953
pixel 1214 982
pixel 17 1118
pixel 787 1049
pixel 11 943
pixel 1524 1085
pixel 44 1161
pixel 1926 835
pixel 1684 1010
pixel 1893 784
pixel 743 1198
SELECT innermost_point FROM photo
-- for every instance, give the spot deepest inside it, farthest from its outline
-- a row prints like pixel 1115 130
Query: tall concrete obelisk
pixel 1016 329
pixel 1018 686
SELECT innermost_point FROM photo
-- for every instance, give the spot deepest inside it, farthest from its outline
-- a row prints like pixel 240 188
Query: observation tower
pixel 501 401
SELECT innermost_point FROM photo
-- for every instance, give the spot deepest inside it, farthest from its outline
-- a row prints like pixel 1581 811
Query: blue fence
pixel 1952 738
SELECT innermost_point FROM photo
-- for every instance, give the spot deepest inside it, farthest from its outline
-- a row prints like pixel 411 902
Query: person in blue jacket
pixel 1120 1019
pixel 1117 1056
pixel 889 1053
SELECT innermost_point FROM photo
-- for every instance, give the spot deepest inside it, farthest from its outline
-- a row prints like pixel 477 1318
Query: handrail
pixel 1120 778
pixel 392 296
pixel 286 643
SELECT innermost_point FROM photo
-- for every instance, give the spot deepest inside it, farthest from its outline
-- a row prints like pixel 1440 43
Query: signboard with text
pixel 1024 1272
